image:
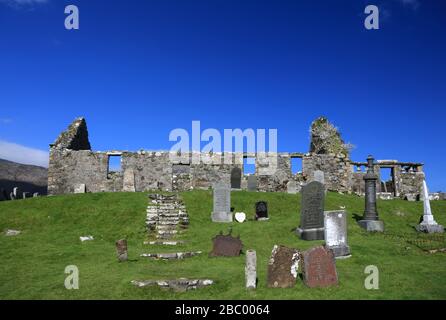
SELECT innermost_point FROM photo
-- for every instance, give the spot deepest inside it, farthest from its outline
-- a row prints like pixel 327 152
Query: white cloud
pixel 21 154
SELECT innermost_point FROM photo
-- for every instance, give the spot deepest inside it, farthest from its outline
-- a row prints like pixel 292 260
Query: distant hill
pixel 27 177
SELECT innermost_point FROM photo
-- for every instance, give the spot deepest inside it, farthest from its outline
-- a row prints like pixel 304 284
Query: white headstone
pixel 428 224
pixel 336 232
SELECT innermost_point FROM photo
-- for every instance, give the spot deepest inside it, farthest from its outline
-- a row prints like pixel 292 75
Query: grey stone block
pixel 372 225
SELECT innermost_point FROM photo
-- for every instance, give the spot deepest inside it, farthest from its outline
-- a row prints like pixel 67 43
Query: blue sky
pixel 138 69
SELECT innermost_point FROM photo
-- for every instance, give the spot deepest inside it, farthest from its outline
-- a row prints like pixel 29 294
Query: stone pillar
pixel 370 220
pixel 121 248
pixel 251 269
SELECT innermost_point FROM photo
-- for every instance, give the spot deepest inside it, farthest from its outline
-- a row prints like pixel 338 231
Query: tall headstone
pixel 128 181
pixel 261 211
pixel 336 233
pixel 428 225
pixel 251 269
pixel 312 212
pixel 25 195
pixel 370 220
pixel 283 267
pixel 236 178
pixel 222 203
pixel 80 188
pixel 121 248
pixel 252 183
pixel 319 268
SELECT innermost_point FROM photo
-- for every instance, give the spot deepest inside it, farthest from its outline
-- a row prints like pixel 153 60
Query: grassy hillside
pixel 32 264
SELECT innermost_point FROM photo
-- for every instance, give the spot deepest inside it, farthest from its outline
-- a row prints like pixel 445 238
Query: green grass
pixel 32 264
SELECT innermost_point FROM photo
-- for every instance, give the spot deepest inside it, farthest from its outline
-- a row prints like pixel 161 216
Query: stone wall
pixel 72 163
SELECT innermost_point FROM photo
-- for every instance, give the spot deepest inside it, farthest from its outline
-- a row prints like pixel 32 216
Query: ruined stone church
pixel 75 167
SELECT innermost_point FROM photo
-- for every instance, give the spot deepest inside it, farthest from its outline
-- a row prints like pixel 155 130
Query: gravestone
pixel 336 233
pixel 319 176
pixel 222 203
pixel 226 246
pixel 25 195
pixel 428 224
pixel 17 193
pixel 252 183
pixel 35 194
pixel 292 187
pixel 80 188
pixel 312 212
pixel 121 248
pixel 370 220
pixel 244 184
pixel 283 267
pixel 236 178
pixel 251 269
pixel 319 268
pixel 128 181
pixel 261 211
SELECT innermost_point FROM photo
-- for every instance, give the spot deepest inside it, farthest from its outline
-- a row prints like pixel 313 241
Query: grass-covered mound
pixel 32 264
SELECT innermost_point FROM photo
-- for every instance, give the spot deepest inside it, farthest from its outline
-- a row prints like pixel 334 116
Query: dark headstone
pixel 312 212
pixel 283 267
pixel 261 210
pixel 121 248
pixel 236 178
pixel 226 246
pixel 252 183
pixel 319 268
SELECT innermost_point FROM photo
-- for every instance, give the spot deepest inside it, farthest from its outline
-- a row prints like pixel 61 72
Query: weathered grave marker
pixel 336 233
pixel 236 178
pixel 319 268
pixel 292 187
pixel 226 246
pixel 222 203
pixel 312 212
pixel 283 267
pixel 129 181
pixel 252 183
pixel 251 269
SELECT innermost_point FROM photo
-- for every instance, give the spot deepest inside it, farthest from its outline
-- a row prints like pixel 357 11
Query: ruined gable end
pixel 74 138
pixel 326 139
